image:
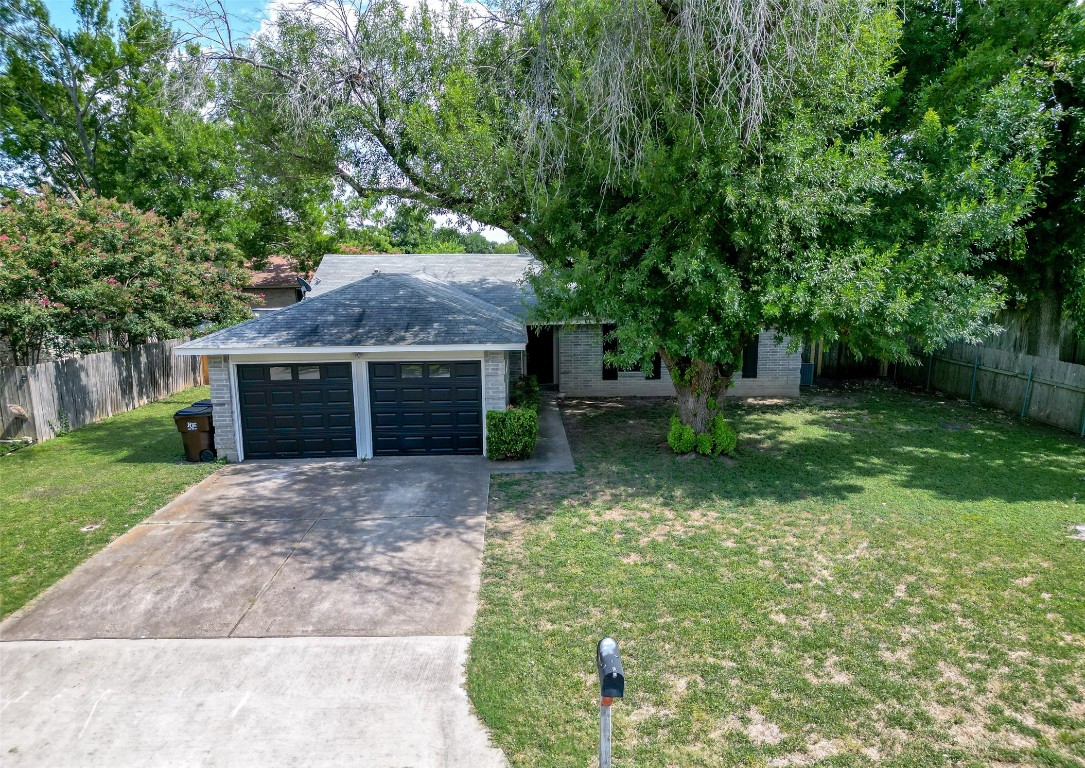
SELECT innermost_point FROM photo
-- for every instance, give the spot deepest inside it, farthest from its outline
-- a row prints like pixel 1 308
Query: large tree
pixel 952 56
pixel 109 107
pixel 97 274
pixel 691 170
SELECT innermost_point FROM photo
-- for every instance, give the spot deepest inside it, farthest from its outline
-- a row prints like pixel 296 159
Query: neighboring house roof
pixel 497 279
pixel 379 311
pixel 279 273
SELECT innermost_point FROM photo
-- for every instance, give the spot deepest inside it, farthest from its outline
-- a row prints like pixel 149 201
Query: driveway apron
pixel 384 555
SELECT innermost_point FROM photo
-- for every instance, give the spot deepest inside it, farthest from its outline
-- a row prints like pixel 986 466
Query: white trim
pixel 188 349
pixel 359 380
pixel 482 399
pixel 366 418
pixel 231 369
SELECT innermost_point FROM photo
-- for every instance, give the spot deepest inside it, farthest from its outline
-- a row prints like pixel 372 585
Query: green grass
pixel 109 475
pixel 878 578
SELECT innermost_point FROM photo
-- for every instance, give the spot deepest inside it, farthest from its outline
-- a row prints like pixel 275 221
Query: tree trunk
pixel 700 386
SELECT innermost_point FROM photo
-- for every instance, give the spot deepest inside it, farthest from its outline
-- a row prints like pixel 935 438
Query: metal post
pixel 975 368
pixel 608 662
pixel 1028 391
pixel 604 732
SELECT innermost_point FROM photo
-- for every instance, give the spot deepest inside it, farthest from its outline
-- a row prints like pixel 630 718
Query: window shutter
pixel 749 360
pixel 610 372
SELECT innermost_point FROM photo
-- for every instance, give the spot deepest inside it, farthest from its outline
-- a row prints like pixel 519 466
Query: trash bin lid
pixel 203 404
pixel 193 410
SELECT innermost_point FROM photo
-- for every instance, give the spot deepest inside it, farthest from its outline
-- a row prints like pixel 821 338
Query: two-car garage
pixel 308 410
pixel 390 364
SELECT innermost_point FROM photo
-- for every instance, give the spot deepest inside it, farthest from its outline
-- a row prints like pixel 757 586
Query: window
pixel 280 373
pixel 610 345
pixel 308 372
pixel 440 371
pixel 410 371
pixel 749 360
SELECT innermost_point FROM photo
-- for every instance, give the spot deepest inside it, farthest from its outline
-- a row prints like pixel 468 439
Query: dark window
pixel 749 360
pixel 610 345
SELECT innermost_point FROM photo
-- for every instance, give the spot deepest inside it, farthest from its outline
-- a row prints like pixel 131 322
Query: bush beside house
pixel 512 434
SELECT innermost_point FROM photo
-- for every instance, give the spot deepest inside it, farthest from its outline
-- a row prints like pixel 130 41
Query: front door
pixel 540 354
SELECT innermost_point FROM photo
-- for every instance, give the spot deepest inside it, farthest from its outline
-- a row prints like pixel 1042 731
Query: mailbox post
pixel 608 662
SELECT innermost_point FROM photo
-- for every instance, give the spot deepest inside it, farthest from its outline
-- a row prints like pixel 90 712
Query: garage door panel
pixel 432 407
pixel 296 411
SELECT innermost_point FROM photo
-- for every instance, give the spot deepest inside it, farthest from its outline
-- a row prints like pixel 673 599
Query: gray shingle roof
pixel 378 311
pixel 497 279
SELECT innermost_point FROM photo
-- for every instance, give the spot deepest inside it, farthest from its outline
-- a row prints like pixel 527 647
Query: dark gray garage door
pixel 426 407
pixel 296 411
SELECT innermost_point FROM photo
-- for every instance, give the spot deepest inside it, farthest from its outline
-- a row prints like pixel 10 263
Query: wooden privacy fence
pixel 81 390
pixel 1040 388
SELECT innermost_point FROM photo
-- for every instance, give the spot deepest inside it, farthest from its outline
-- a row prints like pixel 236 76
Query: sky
pixel 247 13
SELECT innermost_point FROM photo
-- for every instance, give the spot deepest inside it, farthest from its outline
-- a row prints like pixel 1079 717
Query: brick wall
pixel 580 369
pixel 218 368
pixel 777 371
pixel 495 367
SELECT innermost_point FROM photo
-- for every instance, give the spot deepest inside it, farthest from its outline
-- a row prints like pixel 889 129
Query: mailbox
pixel 609 663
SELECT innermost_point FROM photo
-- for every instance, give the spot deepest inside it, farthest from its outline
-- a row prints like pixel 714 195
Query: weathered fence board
pixel 1056 396
pixel 82 390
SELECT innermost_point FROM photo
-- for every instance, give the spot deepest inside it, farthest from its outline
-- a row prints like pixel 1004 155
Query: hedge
pixel 511 434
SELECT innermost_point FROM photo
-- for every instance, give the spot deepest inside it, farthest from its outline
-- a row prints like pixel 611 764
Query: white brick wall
pixel 496 373
pixel 218 367
pixel 580 369
pixel 777 371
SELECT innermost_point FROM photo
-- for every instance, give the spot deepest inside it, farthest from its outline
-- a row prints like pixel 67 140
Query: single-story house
pixel 405 353
pixel 276 284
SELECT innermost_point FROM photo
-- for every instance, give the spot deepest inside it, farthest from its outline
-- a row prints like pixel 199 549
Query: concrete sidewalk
pixel 314 702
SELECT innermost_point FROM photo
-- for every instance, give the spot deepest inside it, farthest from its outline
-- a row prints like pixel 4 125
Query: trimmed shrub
pixel 724 438
pixel 511 434
pixel 718 438
pixel 681 438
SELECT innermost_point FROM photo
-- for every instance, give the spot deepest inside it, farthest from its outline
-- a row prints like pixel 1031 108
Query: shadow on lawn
pixel 829 447
pixel 146 435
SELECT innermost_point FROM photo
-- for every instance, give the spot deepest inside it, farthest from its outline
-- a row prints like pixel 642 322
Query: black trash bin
pixel 197 431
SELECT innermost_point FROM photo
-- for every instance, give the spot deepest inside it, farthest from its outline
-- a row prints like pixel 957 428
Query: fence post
pixel 975 368
pixel 1028 391
pixel 930 370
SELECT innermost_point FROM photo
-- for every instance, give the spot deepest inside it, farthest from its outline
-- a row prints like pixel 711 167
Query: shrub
pixel 525 392
pixel 718 438
pixel 724 438
pixel 681 438
pixel 511 434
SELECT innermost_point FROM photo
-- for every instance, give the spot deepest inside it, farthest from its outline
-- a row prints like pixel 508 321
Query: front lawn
pixel 878 578
pixel 63 500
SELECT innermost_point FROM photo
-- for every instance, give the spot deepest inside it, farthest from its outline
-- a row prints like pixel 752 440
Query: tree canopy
pixel 692 171
pixel 93 274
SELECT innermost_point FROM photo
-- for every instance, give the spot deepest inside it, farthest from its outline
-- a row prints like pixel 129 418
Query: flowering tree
pixel 88 275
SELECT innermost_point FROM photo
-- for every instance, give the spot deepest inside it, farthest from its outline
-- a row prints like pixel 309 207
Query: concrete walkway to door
pixel 371 569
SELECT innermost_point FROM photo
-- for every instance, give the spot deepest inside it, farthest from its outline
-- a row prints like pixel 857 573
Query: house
pixel 404 353
pixel 276 284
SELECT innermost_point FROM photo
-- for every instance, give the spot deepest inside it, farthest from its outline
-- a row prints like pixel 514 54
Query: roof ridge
pixel 463 295
pixel 284 310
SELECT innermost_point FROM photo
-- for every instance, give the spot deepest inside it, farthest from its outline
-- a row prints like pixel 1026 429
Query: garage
pixel 296 411
pixel 426 407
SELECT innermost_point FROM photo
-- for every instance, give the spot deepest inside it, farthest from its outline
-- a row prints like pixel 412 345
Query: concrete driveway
pixel 372 568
